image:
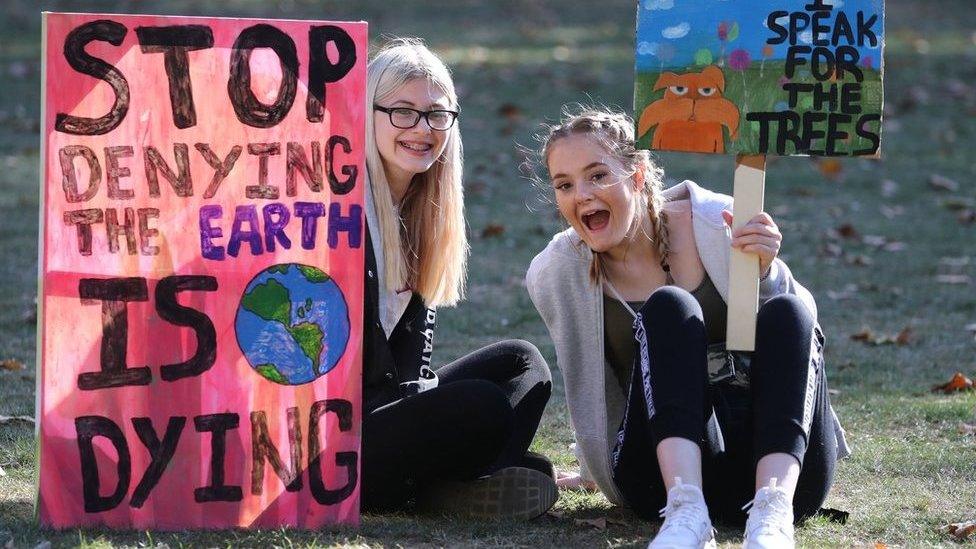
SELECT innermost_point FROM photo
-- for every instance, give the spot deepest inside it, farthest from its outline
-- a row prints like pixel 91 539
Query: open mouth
pixel 596 220
pixel 416 147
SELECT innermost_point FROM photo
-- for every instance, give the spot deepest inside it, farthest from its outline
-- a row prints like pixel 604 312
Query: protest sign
pixel 201 272
pixel 751 77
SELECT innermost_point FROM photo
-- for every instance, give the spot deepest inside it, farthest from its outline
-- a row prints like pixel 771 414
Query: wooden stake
pixel 748 190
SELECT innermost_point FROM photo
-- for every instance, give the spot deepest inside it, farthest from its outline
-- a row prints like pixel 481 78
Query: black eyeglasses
pixel 406 118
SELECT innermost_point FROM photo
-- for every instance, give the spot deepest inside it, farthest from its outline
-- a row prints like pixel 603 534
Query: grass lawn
pixel 874 241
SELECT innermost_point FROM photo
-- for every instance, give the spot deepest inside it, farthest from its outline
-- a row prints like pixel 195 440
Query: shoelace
pixel 679 513
pixel 772 510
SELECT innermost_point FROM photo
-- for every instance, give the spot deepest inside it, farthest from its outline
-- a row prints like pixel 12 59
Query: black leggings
pixel 784 408
pixel 481 417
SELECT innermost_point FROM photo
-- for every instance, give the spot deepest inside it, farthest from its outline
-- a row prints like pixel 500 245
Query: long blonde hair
pixel 615 132
pixel 425 247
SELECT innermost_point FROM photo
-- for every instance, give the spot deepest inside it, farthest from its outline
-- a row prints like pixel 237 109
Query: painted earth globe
pixel 292 323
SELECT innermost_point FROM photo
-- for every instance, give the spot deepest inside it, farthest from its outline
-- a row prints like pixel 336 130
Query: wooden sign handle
pixel 748 188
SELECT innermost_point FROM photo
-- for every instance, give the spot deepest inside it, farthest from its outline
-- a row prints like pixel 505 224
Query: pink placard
pixel 200 343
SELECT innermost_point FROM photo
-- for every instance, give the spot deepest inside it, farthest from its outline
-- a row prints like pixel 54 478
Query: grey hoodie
pixel 572 308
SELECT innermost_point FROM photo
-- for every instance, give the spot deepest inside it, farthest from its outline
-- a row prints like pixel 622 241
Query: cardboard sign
pixel 793 77
pixel 199 348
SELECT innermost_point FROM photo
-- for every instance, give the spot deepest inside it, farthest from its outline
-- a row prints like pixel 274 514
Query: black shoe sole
pixel 510 493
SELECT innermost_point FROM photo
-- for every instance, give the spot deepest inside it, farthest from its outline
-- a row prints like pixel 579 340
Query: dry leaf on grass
pixel 848 231
pixel 952 279
pixel 10 419
pixel 597 523
pixel 14 419
pixel 847 292
pixel 11 364
pixel 867 335
pixel 966 429
pixel 942 183
pixel 891 212
pixel 492 230
pixel 879 545
pixel 888 188
pixel 831 168
pixel 859 260
pixel 959 382
pixel 960 530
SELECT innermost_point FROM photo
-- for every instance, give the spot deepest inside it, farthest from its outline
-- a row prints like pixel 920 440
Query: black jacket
pixel 389 365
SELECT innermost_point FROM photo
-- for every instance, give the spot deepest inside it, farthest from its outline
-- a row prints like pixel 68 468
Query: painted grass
pixel 757 88
pixel 911 471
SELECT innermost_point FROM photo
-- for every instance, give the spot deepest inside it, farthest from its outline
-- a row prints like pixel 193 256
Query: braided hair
pixel 615 132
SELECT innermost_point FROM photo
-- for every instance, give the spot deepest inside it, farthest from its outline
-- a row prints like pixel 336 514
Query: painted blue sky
pixel 670 32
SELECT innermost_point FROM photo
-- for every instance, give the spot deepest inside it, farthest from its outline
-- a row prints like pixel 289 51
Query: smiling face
pixel 593 192
pixel 407 152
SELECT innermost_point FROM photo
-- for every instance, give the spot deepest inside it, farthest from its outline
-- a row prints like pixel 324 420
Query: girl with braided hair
pixel 634 297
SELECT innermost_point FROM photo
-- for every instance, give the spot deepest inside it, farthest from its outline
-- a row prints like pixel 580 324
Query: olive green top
pixel 618 327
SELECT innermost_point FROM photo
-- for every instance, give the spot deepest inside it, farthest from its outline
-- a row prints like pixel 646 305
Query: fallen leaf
pixel 966 217
pixel 475 187
pixel 492 230
pixel 831 249
pixel 959 89
pixel 879 545
pixel 952 279
pixel 510 111
pixel 833 391
pixel 942 183
pixel 888 188
pixel 2 472
pixel 11 364
pixel 892 212
pixel 959 382
pixel 966 429
pixel 847 292
pixel 18 69
pixel 848 231
pixel 10 419
pixel 957 204
pixel 954 261
pixel 597 523
pixel 867 335
pixel 960 530
pixel 831 168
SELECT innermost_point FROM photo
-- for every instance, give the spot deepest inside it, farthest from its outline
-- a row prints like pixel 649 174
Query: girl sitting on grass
pixel 634 297
pixel 455 441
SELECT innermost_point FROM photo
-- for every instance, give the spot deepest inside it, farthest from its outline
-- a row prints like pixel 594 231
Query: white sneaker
pixel 770 524
pixel 686 523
